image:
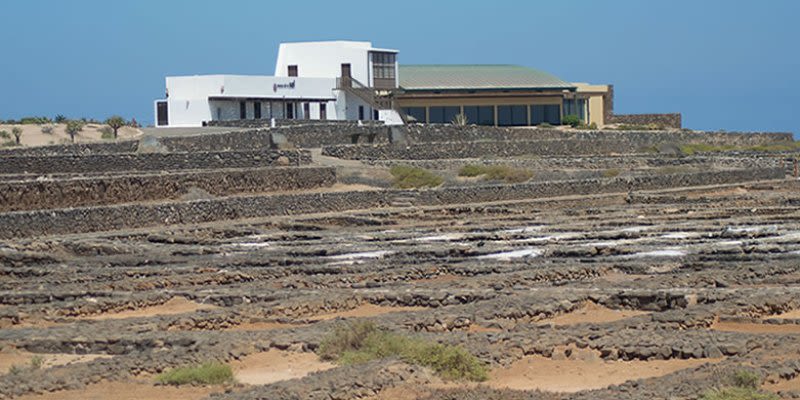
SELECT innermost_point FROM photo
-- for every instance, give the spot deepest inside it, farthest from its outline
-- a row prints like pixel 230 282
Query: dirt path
pixel 276 365
pixel 14 357
pixel 176 305
pixel 590 313
pixel 755 328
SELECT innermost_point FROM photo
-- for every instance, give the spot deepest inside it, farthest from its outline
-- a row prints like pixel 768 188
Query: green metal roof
pixel 477 77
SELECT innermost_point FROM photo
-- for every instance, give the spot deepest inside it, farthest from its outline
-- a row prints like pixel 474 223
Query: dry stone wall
pixel 663 120
pixel 102 218
pixel 82 192
pixel 150 161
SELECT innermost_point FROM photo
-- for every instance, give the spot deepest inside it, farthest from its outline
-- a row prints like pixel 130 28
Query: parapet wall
pixel 90 219
pixel 150 161
pixel 663 120
pixel 82 192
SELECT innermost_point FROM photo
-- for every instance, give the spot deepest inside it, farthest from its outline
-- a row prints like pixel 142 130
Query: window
pixel 512 115
pixel 242 110
pixel 383 65
pixel 480 115
pixel 471 112
pixel 257 110
pixel 570 109
pixel 306 111
pixel 292 70
pixel 443 115
pixel 375 115
pixel 323 111
pixel 360 113
pixel 219 113
pixel 418 113
pixel 162 114
pixel 289 110
pixel 552 114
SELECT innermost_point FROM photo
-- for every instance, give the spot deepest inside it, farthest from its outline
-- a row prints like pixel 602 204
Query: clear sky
pixel 725 64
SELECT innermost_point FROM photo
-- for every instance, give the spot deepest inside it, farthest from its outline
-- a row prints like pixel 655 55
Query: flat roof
pixel 477 77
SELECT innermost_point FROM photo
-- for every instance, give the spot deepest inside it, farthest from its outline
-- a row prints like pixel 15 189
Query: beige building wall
pixel 594 95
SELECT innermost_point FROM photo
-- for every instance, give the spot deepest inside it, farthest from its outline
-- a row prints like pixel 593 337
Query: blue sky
pixel 725 64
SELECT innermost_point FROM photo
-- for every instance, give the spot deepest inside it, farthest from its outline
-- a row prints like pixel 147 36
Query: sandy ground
pixel 176 305
pixel 794 314
pixel 276 365
pixel 792 385
pixel 134 390
pixel 21 358
pixel 755 328
pixel 590 313
pixel 364 310
pixel 32 135
pixel 574 375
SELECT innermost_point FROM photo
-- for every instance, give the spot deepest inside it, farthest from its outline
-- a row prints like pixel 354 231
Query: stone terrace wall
pixel 81 192
pixel 662 120
pixel 76 220
pixel 126 146
pixel 149 161
pixel 449 133
pixel 598 162
pixel 450 150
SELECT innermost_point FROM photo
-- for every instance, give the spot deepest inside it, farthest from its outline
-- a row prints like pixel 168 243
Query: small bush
pixel 48 129
pixel 737 393
pixel 496 173
pixel 106 133
pixel 34 120
pixel 611 173
pixel 361 342
pixel 460 120
pixel 211 373
pixel 406 177
pixel 5 135
pixel 37 362
pixel 60 119
pixel 545 125
pixel 571 120
pixel 746 379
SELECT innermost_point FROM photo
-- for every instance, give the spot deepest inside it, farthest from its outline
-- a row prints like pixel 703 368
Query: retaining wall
pixel 663 120
pixel 149 161
pixel 103 218
pixel 125 146
pixel 82 192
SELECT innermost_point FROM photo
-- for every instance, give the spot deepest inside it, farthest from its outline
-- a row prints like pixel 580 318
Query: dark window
pixel 418 113
pixel 383 65
pixel 162 113
pixel 471 112
pixel 571 109
pixel 375 115
pixel 436 115
pixel 537 114
pixel 289 110
pixel 552 114
pixel 450 113
pixel 292 70
pixel 306 111
pixel 519 115
pixel 323 111
pixel 242 110
pixel 512 115
pixel 360 113
pixel 257 110
pixel 486 115
pixel 219 113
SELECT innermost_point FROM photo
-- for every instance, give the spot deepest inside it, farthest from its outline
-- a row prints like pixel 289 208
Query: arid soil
pixel 657 295
pixel 32 135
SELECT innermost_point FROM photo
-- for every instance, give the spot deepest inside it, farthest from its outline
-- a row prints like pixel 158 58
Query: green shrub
pixel 611 173
pixel 60 119
pixel 5 135
pixel 407 177
pixel 737 393
pixel 34 120
pixel 73 127
pixel 37 362
pixel 48 129
pixel 17 132
pixel 211 373
pixel 571 120
pixel 545 125
pixel 106 132
pixel 361 342
pixel 496 173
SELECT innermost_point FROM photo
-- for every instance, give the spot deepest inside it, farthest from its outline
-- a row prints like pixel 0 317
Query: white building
pixel 338 80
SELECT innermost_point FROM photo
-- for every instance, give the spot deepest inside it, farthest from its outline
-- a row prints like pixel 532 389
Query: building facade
pixel 346 80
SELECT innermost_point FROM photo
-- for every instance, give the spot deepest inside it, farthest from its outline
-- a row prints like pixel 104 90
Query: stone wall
pixel 149 161
pixel 599 162
pixel 82 192
pixel 125 146
pixel 663 120
pixel 103 218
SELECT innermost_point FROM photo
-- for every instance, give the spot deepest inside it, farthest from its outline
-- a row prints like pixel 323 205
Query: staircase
pixel 378 100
